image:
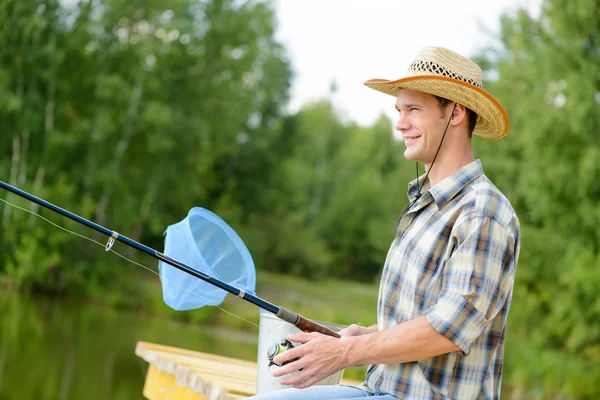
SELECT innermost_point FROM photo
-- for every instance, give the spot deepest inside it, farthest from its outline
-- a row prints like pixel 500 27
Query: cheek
pixel 424 129
pixel 429 132
pixel 422 125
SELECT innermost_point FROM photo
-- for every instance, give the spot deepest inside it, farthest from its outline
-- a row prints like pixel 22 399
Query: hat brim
pixel 492 119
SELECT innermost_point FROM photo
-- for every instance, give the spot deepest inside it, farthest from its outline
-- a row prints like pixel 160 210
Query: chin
pixel 411 155
pixel 415 156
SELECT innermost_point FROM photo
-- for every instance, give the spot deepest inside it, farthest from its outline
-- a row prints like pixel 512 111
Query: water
pixel 56 350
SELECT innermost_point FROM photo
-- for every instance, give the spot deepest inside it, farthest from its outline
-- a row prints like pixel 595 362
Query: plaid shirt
pixel 453 260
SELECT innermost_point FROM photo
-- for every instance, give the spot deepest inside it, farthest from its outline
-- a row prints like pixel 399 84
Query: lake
pixel 52 349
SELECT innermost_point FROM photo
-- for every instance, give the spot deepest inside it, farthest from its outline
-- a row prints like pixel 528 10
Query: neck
pixel 452 157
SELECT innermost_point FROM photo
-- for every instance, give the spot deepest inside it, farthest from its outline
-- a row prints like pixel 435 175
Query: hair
pixel 471 116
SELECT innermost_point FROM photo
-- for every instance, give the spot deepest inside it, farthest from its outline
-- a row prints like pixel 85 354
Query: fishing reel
pixel 278 348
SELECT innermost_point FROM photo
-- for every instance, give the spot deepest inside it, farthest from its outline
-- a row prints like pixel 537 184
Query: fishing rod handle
pixel 305 325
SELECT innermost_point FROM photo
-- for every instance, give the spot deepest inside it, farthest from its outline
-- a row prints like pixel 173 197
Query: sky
pixel 350 41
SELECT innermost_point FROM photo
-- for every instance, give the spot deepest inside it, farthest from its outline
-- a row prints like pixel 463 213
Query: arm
pixel 321 355
pixel 409 341
pixel 477 279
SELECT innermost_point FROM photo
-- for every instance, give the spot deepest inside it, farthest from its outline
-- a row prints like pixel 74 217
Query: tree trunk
pixel 23 167
pixel 14 171
pixel 14 166
pixel 48 129
pixel 122 146
pixel 145 209
pixel 88 182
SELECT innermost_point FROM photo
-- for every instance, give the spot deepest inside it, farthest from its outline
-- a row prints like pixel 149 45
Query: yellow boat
pixel 181 374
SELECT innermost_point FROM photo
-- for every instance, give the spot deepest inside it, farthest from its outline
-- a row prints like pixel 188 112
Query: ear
pixel 458 115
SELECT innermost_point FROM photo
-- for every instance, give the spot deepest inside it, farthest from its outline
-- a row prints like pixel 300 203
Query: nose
pixel 403 123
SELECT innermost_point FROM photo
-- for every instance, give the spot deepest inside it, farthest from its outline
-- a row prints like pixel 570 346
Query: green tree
pixel 333 200
pixel 547 77
pixel 128 116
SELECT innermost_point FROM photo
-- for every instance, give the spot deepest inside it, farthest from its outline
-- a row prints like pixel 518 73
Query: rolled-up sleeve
pixel 477 279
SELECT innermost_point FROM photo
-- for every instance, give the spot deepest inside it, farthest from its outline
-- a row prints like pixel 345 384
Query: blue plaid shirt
pixel 453 260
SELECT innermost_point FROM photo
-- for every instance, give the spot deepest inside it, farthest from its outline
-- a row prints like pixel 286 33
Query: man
pixel 447 282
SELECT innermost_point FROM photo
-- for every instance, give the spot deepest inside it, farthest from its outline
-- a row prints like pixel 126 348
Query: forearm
pixel 409 341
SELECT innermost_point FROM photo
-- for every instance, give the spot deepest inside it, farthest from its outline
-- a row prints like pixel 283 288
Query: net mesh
pixel 204 242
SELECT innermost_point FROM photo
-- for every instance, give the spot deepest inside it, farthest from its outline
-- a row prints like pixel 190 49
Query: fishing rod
pixel 284 314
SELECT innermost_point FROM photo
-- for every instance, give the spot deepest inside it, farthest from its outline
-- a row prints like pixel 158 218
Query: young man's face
pixel 421 123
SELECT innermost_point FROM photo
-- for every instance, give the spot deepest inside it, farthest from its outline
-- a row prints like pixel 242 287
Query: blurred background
pixel 131 112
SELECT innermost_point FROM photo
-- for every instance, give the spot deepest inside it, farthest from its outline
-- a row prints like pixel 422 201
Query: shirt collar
pixel 447 189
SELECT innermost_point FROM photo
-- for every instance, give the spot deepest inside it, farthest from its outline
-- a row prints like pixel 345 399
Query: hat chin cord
pixel 418 195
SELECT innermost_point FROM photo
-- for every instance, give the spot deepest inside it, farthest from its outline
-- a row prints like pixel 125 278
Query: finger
pixel 289 355
pixel 304 382
pixel 349 331
pixel 302 379
pixel 288 368
pixel 301 337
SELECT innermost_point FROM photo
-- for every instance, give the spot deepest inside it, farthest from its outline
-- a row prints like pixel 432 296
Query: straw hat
pixel 444 73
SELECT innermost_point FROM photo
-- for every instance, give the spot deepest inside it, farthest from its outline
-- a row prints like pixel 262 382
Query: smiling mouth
pixel 411 137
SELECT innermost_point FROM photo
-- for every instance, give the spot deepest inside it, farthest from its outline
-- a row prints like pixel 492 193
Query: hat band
pixel 437 69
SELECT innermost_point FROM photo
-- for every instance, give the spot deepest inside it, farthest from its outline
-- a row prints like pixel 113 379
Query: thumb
pixel 301 337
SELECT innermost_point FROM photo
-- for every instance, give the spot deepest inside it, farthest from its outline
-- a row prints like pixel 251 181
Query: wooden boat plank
pixel 193 375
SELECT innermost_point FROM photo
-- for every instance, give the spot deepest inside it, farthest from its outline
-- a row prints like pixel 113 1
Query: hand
pixel 357 330
pixel 319 356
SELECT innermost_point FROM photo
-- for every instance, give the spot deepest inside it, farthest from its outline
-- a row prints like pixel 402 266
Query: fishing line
pixel 128 259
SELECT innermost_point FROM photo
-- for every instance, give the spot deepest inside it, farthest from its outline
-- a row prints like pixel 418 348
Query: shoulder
pixel 483 201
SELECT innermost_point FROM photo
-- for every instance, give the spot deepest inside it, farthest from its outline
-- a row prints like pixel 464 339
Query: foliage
pixel 130 116
pixel 547 77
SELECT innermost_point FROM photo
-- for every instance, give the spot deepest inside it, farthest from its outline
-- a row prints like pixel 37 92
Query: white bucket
pixel 273 330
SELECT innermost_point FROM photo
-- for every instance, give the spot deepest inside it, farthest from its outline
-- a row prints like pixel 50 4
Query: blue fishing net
pixel 204 242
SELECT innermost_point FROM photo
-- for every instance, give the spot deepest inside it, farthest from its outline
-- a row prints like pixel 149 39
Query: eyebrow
pixel 407 106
